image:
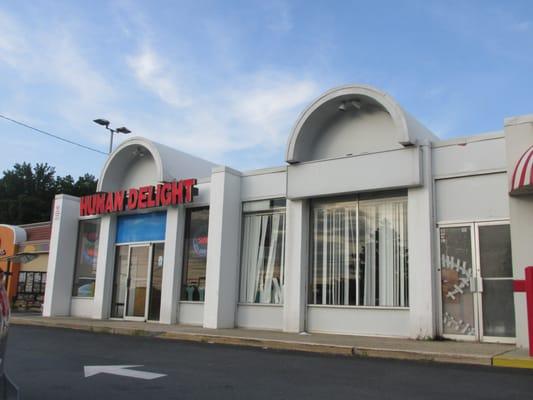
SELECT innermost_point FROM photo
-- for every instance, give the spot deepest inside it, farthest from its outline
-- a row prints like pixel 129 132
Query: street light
pixel 105 123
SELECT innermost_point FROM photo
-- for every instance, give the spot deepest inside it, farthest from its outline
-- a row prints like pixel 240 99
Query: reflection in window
pixel 194 265
pixel 86 256
pixel 359 253
pixel 263 252
pixel 119 281
pixel 31 283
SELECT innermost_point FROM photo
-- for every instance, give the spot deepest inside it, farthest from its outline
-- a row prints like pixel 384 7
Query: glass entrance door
pixel 137 282
pixel 457 281
pixel 156 278
pixel 476 282
pixel 496 271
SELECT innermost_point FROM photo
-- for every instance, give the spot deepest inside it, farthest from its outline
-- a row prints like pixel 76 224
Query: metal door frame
pixel 469 338
pixel 482 337
pixel 476 274
pixel 148 281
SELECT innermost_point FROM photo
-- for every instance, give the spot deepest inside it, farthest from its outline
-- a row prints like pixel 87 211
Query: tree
pixel 27 193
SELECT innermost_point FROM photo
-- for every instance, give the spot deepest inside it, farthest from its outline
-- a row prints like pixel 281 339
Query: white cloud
pixel 252 115
pixel 209 116
pixel 12 42
pixel 228 114
pixel 151 71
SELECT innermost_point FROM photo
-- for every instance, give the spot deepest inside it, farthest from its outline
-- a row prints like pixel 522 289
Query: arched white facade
pixel 139 161
pixel 352 120
pixel 353 145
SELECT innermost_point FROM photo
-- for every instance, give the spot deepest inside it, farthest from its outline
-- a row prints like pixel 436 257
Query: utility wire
pixel 52 135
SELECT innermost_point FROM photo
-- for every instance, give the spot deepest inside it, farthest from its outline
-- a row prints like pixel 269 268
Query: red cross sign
pixel 526 285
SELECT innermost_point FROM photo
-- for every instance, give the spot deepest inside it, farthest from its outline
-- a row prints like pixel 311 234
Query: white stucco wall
pixel 82 307
pixel 370 321
pixel 62 255
pixel 375 171
pixel 191 313
pixel 519 137
pixel 223 250
pixel 260 316
pixel 472 198
pixel 264 184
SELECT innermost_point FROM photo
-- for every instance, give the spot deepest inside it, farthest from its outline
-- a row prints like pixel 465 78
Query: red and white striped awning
pixel 522 181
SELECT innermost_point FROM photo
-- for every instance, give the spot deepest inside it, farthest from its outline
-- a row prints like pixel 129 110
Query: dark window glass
pixel 156 282
pixel 193 283
pixel 119 281
pixel 31 283
pixel 86 256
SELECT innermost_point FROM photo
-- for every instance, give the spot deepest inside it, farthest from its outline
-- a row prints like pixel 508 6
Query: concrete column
pixel 518 138
pixel 223 249
pixel 105 265
pixel 172 265
pixel 62 256
pixel 422 282
pixel 296 265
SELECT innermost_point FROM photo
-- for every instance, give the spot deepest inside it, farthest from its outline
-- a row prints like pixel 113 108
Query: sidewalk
pixel 405 349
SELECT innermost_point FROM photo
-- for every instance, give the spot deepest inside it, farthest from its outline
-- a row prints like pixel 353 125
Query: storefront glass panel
pixel 263 252
pixel 156 282
pixel 359 252
pixel 457 277
pixel 86 257
pixel 30 289
pixel 195 261
pixel 497 273
pixel 477 288
pixel 137 281
pixel 119 281
pixel 148 227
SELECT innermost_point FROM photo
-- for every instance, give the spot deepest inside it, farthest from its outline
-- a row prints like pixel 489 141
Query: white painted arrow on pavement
pixel 121 370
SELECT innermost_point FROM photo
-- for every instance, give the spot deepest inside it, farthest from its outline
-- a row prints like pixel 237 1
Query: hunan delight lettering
pixel 161 195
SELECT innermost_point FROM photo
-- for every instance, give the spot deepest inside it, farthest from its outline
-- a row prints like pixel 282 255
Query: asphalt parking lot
pixel 50 363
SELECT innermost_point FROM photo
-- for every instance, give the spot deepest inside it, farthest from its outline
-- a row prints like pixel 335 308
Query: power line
pixel 52 135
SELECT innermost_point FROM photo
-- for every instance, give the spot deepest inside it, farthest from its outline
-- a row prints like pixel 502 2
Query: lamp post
pixel 105 123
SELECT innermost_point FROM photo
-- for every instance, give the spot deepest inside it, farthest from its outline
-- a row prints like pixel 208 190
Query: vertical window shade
pixel 263 254
pixel 359 253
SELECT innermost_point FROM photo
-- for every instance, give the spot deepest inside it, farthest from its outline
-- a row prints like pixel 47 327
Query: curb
pixel 273 344
pixel 262 343
pixel 511 360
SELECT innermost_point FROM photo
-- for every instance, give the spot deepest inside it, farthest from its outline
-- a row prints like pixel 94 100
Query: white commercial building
pixel 375 226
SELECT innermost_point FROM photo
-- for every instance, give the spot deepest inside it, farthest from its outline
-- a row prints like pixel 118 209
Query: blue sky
pixel 226 80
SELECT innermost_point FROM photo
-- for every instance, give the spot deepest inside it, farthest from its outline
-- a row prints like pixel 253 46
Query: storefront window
pixel 86 256
pixel 263 252
pixel 30 289
pixel 195 260
pixel 359 252
pixel 31 283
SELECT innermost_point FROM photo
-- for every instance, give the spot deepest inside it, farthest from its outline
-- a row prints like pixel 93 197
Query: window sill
pixel 83 297
pixel 260 304
pixel 191 302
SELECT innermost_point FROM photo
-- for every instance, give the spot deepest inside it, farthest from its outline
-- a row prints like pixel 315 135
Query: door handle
pixel 479 284
pixel 473 284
